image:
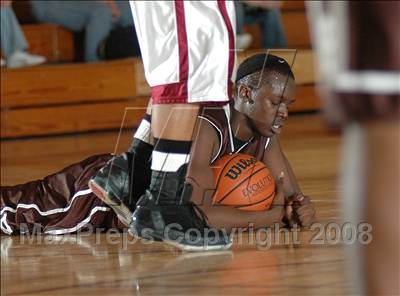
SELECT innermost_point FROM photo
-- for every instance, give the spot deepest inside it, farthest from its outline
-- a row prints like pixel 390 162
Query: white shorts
pixel 188 49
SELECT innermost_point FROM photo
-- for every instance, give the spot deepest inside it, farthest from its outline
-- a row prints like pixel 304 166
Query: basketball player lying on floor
pixel 63 203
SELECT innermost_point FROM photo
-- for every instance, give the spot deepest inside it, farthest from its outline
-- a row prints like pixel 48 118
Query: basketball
pixel 243 182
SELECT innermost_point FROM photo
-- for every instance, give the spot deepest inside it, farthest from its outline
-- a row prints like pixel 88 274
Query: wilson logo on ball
pixel 235 171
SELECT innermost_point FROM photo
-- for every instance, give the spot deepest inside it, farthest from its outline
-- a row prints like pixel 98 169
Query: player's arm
pixel 206 144
pixel 228 217
pixel 276 161
pixel 299 208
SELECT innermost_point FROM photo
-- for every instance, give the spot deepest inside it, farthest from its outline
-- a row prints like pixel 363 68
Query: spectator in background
pixel 267 15
pixel 96 18
pixel 243 40
pixel 120 43
pixel 13 42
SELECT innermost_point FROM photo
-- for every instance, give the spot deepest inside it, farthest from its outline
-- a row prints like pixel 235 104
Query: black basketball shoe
pixel 165 213
pixel 124 178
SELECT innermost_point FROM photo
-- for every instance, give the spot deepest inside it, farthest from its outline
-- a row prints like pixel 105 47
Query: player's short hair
pixel 262 63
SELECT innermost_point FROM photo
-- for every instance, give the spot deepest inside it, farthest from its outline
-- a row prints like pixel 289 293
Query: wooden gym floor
pixel 72 265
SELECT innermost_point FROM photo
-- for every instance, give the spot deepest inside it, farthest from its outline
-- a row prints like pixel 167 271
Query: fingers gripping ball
pixel 243 182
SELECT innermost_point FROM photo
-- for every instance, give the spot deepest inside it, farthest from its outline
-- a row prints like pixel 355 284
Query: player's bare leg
pixel 174 121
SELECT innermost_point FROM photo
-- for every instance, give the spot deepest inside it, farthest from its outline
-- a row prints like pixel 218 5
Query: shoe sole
pixel 123 212
pixel 190 248
pixel 183 247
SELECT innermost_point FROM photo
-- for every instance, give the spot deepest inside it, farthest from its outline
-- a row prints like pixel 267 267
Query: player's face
pixel 271 103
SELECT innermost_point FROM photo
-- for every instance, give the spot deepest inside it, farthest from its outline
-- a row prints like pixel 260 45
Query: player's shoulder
pixel 217 119
pixel 207 130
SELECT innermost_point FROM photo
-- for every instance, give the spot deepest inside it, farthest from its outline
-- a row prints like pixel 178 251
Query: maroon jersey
pixel 219 119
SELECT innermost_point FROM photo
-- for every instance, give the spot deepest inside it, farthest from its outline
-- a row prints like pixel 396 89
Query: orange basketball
pixel 243 182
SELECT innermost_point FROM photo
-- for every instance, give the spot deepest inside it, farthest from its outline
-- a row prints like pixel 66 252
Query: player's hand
pixel 299 210
pixel 303 210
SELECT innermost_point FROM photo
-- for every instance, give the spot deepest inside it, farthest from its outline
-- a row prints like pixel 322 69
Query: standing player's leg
pixel 361 76
pixel 182 44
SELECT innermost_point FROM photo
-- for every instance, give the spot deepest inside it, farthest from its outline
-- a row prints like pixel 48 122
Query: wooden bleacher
pixel 71 98
pixel 51 41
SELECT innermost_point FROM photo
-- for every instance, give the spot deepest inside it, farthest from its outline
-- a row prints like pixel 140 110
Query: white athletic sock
pixel 170 155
